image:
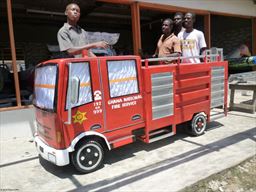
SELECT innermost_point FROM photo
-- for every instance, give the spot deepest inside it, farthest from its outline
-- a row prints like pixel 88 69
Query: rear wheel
pixel 198 125
pixel 88 157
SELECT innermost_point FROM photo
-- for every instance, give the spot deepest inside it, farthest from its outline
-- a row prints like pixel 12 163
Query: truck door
pixel 122 91
pixel 87 113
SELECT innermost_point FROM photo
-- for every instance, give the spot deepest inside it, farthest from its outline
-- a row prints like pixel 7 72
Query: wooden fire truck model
pixel 87 106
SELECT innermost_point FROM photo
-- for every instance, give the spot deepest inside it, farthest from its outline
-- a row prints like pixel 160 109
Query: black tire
pixel 198 125
pixel 88 156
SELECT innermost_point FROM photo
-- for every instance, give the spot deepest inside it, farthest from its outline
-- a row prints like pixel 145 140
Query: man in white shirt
pixel 192 40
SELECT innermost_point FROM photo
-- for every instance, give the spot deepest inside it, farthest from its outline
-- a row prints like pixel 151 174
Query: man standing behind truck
pixel 178 22
pixel 192 40
pixel 168 45
pixel 72 38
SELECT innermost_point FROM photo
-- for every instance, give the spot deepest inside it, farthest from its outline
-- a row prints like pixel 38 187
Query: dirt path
pixel 241 178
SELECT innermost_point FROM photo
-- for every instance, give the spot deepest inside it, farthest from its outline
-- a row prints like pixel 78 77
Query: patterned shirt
pixel 191 44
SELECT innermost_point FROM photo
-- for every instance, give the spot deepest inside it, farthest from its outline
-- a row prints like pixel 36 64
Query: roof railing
pixel 210 55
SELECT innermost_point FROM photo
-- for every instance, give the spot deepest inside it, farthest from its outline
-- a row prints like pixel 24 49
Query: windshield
pixel 45 80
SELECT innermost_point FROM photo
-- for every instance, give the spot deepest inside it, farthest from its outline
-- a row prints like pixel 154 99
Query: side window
pixel 122 77
pixel 82 72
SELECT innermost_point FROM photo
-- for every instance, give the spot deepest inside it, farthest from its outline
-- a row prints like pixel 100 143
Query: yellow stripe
pixel 123 79
pixel 47 86
pixel 58 135
pixel 85 84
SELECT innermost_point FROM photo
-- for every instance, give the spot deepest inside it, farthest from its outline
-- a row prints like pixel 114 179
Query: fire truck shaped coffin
pixel 87 106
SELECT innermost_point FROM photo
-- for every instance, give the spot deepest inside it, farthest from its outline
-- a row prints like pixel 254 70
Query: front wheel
pixel 88 157
pixel 198 124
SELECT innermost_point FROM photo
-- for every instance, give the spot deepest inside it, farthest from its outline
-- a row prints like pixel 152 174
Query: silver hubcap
pixel 89 156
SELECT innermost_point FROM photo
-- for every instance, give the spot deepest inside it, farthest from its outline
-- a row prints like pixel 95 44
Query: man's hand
pixel 101 44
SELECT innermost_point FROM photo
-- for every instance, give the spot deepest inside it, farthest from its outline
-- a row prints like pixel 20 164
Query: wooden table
pixel 249 86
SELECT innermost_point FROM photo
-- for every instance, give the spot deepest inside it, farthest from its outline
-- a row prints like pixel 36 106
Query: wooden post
pixel 254 36
pixel 207 29
pixel 13 51
pixel 136 34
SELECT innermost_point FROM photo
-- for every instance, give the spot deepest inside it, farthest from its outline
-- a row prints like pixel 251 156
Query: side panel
pixel 48 128
pixel 193 90
pixel 159 94
pixel 219 85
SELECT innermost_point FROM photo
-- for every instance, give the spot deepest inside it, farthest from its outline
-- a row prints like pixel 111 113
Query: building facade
pixel 30 27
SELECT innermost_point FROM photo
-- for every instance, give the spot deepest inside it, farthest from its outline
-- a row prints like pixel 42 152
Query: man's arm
pixel 156 53
pixel 176 48
pixel 174 55
pixel 66 44
pixel 91 54
pixel 202 50
pixel 202 43
pixel 78 50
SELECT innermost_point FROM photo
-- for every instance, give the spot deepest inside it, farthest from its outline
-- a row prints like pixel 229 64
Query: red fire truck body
pixel 86 106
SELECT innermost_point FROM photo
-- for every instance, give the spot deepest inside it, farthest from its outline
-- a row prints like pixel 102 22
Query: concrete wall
pixel 239 7
pixel 17 123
